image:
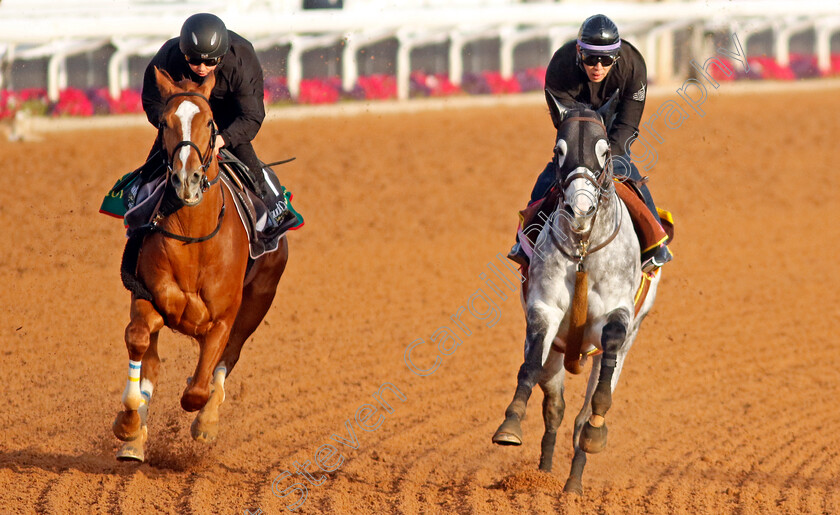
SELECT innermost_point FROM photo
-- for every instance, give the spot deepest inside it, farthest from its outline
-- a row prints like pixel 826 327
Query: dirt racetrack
pixel 727 404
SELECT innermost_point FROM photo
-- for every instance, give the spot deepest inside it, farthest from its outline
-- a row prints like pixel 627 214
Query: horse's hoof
pixel 194 398
pixel 573 486
pixel 509 433
pixel 133 450
pixel 593 439
pixel 127 425
pixel 204 433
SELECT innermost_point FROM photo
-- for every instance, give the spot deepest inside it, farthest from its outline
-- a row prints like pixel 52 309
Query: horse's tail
pixel 128 268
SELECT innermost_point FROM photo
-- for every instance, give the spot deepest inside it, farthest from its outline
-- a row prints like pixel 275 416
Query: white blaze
pixel 186 112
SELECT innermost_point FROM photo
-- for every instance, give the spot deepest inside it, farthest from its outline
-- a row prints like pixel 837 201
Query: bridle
pixel 206 157
pixel 602 183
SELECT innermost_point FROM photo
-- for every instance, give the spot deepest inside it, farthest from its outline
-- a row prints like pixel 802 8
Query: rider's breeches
pixel 547 179
pixel 248 156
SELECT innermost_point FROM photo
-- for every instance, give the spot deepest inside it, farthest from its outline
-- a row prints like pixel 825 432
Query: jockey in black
pixel 205 46
pixel 589 70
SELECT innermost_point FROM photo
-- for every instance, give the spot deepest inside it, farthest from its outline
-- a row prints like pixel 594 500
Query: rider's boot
pixel 268 188
pixel 655 258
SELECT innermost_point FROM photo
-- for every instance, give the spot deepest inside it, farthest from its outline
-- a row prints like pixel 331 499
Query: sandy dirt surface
pixel 727 403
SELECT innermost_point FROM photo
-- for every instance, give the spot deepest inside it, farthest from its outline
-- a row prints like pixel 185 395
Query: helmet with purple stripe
pixel 598 35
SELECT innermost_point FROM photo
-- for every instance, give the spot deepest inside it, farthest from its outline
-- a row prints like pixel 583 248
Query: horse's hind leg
pixel 205 427
pixel 140 335
pixel 553 409
pixel 257 297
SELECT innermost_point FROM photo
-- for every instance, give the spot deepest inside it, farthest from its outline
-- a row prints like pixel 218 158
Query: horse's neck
pixel 190 220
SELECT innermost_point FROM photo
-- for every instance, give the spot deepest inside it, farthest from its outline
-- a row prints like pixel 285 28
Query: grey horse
pixel 587 245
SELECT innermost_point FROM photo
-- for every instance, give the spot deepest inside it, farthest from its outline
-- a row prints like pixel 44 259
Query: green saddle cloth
pixel 114 202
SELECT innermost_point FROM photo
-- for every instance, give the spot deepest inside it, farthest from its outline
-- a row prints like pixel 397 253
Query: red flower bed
pixel 320 91
pixel 432 85
pixel 378 87
pixel 72 102
pixel 9 104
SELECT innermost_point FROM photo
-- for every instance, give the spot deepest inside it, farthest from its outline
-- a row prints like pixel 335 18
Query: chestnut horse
pixel 193 265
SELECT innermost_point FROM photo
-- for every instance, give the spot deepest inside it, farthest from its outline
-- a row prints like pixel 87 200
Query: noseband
pixel 205 157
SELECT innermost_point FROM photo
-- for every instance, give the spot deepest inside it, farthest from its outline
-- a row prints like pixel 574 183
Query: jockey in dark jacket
pixel 205 46
pixel 589 70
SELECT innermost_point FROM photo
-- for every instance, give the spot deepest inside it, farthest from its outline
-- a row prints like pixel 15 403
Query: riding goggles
pixel 594 59
pixel 197 61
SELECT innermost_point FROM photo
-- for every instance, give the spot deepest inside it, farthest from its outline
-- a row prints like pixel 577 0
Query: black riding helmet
pixel 598 35
pixel 204 36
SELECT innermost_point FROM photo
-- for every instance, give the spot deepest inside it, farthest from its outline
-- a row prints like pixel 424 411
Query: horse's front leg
pixel 543 322
pixel 553 408
pixel 211 346
pixel 140 336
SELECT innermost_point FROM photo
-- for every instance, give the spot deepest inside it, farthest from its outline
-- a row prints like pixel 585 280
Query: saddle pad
pixel 254 215
pixel 113 204
pixel 148 199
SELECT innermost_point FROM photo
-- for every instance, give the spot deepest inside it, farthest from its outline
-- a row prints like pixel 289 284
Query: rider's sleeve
pixel 562 78
pixel 247 91
pixel 630 107
pixel 152 102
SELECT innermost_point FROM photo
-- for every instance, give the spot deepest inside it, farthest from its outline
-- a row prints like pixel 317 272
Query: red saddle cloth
pixel 650 233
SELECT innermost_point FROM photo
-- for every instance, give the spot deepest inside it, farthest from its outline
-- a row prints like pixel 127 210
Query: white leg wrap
pixel 219 378
pixel 132 397
pixel 146 390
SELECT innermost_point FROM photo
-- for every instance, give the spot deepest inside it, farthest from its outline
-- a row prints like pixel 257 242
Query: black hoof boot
pixel 593 439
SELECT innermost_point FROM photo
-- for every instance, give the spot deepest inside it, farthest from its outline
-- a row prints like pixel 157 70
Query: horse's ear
pixel 607 111
pixel 165 84
pixel 558 111
pixel 207 86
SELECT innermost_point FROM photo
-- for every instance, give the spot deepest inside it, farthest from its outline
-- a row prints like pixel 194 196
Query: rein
pixel 155 227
